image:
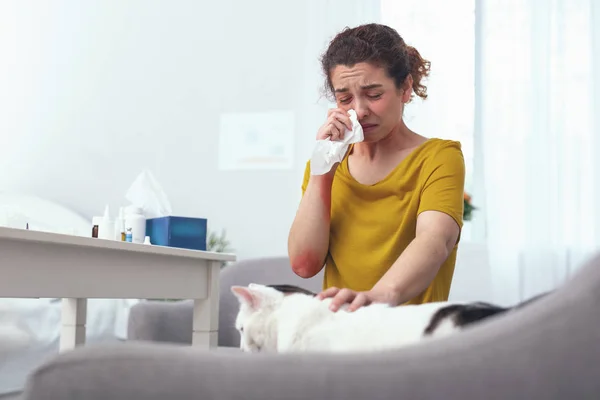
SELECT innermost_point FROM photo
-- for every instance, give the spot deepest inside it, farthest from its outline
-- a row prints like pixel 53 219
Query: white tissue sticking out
pixel 327 152
pixel 146 192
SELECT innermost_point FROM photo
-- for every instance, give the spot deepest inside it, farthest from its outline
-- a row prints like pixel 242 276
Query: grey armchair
pixel 548 350
pixel 171 322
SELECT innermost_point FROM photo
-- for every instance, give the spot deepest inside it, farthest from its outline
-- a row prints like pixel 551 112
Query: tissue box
pixel 182 232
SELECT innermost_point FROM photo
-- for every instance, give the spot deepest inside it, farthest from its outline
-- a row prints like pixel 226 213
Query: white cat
pixel 285 318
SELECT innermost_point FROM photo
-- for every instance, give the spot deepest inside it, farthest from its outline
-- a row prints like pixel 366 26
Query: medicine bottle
pixel 95 226
pixel 135 221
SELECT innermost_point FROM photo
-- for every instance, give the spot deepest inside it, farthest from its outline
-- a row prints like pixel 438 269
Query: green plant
pixel 468 207
pixel 218 244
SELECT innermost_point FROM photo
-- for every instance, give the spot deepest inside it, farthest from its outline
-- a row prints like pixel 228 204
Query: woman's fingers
pixel 359 301
pixel 338 130
pixel 335 126
pixel 329 130
pixel 342 297
pixel 331 111
pixel 344 119
pixel 329 292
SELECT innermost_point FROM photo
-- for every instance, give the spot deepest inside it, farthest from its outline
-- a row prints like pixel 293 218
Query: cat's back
pixel 408 318
pixel 376 326
pixel 308 324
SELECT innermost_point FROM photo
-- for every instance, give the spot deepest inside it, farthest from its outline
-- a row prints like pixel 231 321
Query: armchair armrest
pixel 161 321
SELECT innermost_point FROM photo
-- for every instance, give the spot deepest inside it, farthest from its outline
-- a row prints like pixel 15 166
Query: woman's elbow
pixel 305 273
pixel 306 266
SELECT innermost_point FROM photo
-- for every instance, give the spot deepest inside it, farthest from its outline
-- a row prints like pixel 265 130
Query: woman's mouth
pixel 368 127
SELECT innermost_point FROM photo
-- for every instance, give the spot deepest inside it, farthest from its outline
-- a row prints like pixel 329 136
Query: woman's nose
pixel 361 109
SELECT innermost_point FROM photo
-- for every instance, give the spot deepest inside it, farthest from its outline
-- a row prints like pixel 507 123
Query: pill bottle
pixel 96 221
pixel 135 222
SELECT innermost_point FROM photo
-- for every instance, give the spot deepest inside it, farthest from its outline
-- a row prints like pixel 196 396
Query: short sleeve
pixel 444 182
pixel 306 177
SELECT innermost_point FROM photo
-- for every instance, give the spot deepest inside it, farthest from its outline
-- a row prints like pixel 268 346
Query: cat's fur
pixel 285 318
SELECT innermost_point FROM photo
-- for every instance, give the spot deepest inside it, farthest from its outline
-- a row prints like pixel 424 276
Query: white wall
pixel 93 92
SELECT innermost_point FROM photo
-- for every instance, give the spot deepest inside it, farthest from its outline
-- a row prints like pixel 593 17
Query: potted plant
pixel 218 244
pixel 468 207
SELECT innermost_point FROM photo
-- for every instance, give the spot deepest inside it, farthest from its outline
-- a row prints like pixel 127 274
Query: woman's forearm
pixel 413 271
pixel 308 241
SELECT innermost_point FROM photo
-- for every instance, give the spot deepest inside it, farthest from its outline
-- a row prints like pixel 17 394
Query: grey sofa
pixel 159 321
pixel 547 350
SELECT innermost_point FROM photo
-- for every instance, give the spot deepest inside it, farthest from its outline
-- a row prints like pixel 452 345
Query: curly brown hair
pixel 382 46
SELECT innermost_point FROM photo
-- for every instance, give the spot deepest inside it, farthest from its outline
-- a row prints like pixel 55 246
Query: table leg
pixel 206 312
pixel 74 315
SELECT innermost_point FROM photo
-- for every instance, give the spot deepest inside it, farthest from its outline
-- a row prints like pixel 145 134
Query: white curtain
pixel 537 140
pixel 515 81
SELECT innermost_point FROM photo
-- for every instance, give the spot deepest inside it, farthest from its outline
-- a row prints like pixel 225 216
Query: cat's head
pixel 255 320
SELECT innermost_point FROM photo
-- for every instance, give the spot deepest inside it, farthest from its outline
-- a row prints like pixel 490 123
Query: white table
pixel 48 265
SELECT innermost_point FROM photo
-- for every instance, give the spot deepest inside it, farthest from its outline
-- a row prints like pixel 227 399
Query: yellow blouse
pixel 372 224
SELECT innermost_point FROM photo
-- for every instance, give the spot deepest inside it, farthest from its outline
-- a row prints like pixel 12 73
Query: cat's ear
pixel 253 296
pixel 243 294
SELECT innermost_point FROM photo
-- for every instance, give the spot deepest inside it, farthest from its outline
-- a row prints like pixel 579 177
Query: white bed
pixel 29 328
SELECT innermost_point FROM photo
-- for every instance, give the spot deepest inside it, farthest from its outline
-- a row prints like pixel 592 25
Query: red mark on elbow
pixel 306 264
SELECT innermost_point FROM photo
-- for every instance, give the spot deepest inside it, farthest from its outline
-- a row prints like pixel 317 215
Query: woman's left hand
pixel 347 296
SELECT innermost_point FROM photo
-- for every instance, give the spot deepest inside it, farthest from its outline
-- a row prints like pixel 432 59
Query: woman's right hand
pixel 335 126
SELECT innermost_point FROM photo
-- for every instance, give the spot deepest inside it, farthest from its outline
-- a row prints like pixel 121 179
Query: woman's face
pixel 369 90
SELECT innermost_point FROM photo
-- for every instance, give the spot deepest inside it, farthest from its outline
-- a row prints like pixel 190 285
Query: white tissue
pixel 146 192
pixel 327 152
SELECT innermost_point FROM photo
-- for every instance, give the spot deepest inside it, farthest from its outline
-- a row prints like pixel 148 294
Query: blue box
pixel 182 232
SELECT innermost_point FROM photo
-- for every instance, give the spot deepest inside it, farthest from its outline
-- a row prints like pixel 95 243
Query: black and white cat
pixel 286 318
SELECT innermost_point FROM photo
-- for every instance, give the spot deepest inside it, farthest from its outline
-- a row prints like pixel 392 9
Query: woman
pixel 385 222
